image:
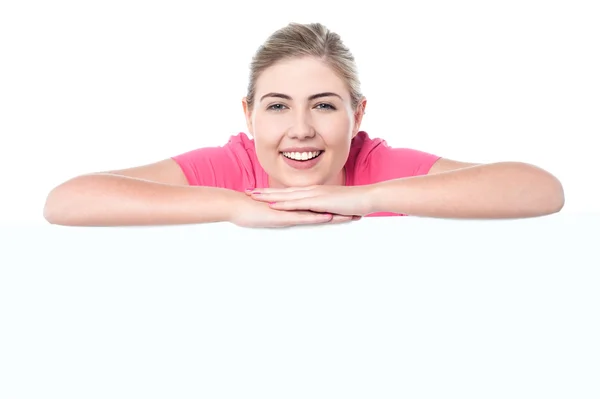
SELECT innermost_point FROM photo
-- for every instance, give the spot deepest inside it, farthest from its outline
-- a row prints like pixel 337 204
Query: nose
pixel 302 127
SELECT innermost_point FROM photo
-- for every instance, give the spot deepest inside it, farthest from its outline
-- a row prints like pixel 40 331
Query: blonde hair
pixel 301 40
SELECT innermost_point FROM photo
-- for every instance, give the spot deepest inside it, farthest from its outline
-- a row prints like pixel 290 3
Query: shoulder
pixel 373 160
pixel 229 166
pixel 237 150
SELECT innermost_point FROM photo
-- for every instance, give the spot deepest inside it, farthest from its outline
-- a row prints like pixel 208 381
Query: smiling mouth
pixel 302 156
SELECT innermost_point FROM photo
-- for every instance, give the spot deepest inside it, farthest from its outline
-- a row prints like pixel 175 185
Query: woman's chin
pixel 301 181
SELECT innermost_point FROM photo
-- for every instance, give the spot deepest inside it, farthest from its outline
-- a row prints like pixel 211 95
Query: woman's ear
pixel 248 116
pixel 358 115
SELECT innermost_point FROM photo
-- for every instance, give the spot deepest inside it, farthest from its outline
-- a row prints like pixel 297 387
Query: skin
pixel 451 189
pixel 284 115
pixel 159 193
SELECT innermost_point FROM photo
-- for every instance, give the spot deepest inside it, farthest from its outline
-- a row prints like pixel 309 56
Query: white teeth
pixel 301 156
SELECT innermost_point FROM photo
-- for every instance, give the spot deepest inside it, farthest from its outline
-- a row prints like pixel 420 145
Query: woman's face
pixel 302 123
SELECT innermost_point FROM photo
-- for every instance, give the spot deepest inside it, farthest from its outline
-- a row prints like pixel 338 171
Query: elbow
pixel 538 192
pixel 51 217
pixel 556 197
pixel 59 205
pixel 52 211
pixel 551 194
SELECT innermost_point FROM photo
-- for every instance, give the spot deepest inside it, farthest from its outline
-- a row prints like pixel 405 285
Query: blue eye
pixel 276 107
pixel 326 106
pixel 281 107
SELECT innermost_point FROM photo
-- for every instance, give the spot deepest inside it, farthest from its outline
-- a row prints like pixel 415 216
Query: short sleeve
pixel 227 166
pixel 384 163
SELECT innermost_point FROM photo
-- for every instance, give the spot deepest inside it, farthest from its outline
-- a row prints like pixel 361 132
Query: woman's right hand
pixel 251 213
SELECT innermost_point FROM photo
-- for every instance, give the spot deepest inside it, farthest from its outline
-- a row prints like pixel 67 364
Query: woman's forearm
pixel 498 190
pixel 113 200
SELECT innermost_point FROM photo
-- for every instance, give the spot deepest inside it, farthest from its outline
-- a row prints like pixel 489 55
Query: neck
pixel 338 180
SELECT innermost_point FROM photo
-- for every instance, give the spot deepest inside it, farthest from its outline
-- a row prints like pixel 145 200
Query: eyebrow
pixel 312 97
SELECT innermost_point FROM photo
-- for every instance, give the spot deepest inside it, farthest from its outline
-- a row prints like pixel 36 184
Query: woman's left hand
pixel 340 200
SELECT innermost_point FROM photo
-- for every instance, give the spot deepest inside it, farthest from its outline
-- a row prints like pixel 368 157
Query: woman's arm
pixel 155 194
pixel 496 190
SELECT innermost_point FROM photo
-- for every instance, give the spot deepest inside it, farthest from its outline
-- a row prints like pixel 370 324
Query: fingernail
pixel 271 203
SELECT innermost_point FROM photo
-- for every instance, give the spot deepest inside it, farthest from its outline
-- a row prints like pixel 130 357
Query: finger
pixel 315 204
pixel 283 196
pixel 266 190
pixel 303 218
pixel 337 219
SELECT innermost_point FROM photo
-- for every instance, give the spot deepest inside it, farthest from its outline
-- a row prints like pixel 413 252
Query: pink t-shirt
pixel 235 166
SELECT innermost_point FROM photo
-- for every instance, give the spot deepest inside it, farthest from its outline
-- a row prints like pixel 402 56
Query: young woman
pixel 304 161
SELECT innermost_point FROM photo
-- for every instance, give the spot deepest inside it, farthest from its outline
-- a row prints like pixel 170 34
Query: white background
pixel 89 86
pixel 381 308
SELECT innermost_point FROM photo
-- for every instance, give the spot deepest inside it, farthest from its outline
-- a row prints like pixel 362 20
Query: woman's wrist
pixel 224 202
pixel 384 196
pixel 374 196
